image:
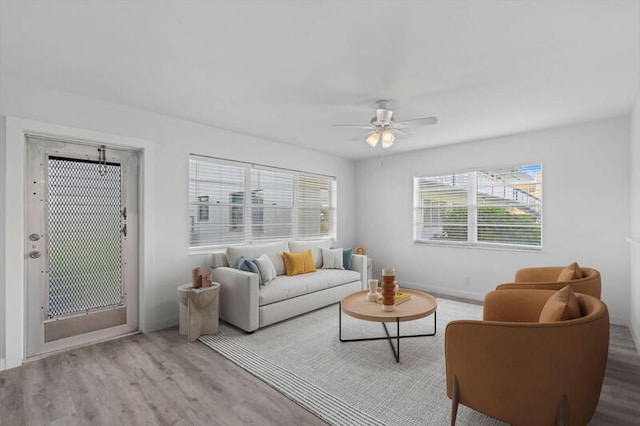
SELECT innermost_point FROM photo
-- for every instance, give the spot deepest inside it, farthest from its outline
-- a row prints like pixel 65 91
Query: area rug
pixel 354 383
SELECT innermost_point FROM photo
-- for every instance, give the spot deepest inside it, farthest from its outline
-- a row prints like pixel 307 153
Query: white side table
pixel 198 310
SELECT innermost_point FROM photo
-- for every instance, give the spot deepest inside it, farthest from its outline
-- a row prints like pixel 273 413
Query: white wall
pixel 171 141
pixel 586 211
pixel 634 239
pixel 2 237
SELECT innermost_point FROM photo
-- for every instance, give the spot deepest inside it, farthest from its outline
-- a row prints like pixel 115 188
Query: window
pixel 282 204
pixel 485 207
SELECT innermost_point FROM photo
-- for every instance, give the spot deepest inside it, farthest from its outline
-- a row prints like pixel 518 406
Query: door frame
pixel 13 225
pixel 39 150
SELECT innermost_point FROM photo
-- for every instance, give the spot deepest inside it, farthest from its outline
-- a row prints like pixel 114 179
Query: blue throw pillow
pixel 246 264
pixel 346 258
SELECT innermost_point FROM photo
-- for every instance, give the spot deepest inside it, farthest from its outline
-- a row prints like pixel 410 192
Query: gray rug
pixel 354 383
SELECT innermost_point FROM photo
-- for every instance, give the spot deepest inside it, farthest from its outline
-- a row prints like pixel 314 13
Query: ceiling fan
pixel 382 126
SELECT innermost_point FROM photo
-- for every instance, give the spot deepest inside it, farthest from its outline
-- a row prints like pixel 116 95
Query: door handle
pixel 34 254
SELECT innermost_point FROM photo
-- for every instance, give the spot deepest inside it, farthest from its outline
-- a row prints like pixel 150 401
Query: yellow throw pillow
pixel 299 263
pixel 562 306
pixel 571 272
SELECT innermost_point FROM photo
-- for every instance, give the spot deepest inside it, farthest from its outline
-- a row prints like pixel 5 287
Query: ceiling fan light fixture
pixel 387 139
pixel 373 138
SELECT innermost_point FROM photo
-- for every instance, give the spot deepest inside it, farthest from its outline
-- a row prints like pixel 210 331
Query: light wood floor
pixel 159 378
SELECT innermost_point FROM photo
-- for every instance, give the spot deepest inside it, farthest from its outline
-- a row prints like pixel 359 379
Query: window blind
pixel 510 206
pixel 441 208
pixel 316 208
pixel 216 203
pixel 501 206
pixel 282 204
pixel 272 205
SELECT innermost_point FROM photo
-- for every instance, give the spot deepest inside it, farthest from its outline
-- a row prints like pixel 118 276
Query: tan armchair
pixel 547 278
pixel 515 369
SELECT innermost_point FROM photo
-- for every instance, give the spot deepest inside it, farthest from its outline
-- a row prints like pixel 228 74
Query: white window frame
pixel 247 205
pixel 472 207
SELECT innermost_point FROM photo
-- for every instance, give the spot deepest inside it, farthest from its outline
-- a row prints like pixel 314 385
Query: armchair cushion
pixel 562 306
pixel 571 272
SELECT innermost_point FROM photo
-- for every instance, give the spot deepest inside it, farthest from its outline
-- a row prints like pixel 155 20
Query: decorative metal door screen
pixel 85 222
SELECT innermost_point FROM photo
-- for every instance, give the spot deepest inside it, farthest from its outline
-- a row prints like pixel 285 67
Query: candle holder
pixel 372 296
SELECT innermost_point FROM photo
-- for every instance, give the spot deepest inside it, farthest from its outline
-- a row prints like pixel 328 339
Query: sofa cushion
pixel 315 246
pixel 561 306
pixel 298 263
pixel 571 272
pixel 332 258
pixel 246 264
pixel 267 270
pixel 274 251
pixel 285 287
pixel 346 257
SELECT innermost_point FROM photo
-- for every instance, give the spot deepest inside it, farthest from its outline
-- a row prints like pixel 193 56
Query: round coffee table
pixel 420 305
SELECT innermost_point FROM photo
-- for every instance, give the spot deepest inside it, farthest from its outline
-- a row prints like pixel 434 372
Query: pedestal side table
pixel 198 310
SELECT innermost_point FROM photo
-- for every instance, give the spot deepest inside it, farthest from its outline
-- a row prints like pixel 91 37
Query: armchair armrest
pixel 359 263
pixel 238 297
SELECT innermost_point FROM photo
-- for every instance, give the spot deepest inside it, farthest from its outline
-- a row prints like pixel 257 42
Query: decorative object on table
pixel 360 250
pixel 398 298
pixel 196 273
pixel 207 281
pixel 373 294
pixel 198 310
pixel 388 288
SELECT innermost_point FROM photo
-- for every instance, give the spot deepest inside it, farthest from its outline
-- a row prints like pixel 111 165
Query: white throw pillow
pixel 332 258
pixel 267 270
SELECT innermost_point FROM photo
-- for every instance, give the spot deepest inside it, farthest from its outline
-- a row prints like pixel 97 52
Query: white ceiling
pixel 287 69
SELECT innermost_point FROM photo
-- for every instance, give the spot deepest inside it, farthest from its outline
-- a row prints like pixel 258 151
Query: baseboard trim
pixel 636 338
pixel 161 325
pixel 463 296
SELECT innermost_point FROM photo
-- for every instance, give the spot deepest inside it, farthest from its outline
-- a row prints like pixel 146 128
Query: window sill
pixel 481 246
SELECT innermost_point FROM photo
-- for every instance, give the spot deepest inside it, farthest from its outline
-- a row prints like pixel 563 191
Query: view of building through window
pixel 495 206
pixel 283 204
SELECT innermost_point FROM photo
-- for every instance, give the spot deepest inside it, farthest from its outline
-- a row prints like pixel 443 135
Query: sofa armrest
pixel 359 264
pixel 239 294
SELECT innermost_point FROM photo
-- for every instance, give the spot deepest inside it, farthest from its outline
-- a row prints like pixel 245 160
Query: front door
pixel 81 243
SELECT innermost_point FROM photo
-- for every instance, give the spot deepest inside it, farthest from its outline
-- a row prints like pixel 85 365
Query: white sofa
pixel 249 306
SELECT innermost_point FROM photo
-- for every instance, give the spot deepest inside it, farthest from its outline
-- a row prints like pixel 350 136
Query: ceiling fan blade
pixel 354 126
pixel 414 122
pixel 402 133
